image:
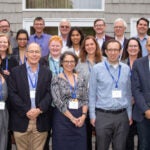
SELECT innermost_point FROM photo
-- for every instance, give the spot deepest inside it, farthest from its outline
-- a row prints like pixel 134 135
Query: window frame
pixel 46 9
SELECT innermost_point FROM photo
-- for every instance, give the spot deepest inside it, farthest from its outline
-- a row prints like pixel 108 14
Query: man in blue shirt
pixel 110 99
pixel 40 37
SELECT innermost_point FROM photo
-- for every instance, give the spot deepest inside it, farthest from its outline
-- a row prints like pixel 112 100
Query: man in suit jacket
pixel 141 93
pixel 30 101
pixel 101 37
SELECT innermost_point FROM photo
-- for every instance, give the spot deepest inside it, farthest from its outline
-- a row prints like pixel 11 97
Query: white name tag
pixel 73 104
pixel 2 105
pixel 32 94
pixel 116 94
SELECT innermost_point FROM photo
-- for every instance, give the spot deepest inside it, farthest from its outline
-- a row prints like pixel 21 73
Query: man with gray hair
pixel 64 28
pixel 119 32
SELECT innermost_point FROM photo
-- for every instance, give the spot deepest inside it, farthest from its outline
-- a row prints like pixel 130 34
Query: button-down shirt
pixel 101 85
pixel 143 44
pixel 100 41
pixel 43 41
pixel 34 78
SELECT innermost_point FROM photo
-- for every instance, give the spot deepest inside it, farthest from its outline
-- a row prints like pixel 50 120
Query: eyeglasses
pixel 4 26
pixel 133 46
pixel 69 62
pixel 21 39
pixel 39 24
pixel 113 50
pixel 99 25
pixel 67 27
pixel 118 27
pixel 32 51
pixel 4 42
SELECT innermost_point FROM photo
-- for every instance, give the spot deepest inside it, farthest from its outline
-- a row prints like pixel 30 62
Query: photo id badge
pixel 73 104
pixel 116 93
pixel 32 94
pixel 2 105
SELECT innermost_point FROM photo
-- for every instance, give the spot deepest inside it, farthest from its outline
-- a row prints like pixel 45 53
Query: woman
pixel 74 40
pixel 70 97
pixel 19 52
pixel 132 51
pixel 90 54
pixel 3 112
pixel 5 51
pixel 52 59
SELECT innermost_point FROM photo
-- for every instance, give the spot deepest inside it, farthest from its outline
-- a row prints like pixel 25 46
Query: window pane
pixel 64 4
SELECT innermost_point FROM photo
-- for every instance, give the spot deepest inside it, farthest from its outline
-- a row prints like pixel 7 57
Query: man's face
pixel 33 54
pixel 119 29
pixel 4 27
pixel 113 52
pixel 142 27
pixel 64 28
pixel 39 26
pixel 99 27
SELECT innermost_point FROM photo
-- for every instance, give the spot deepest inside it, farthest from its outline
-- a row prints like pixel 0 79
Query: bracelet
pixel 84 114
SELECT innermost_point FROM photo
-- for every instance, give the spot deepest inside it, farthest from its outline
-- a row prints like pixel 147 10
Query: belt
pixel 111 111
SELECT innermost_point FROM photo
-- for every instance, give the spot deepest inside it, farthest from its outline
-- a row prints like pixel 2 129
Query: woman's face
pixel 55 48
pixel 22 40
pixel 90 46
pixel 3 44
pixel 133 48
pixel 68 63
pixel 75 37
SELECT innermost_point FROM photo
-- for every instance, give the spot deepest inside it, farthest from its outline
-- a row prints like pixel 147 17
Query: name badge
pixel 73 104
pixel 2 105
pixel 116 94
pixel 32 94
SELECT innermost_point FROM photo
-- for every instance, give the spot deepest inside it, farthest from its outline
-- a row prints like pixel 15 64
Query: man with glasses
pixel 142 26
pixel 110 99
pixel 101 37
pixel 5 29
pixel 64 28
pixel 119 32
pixel 30 101
pixel 39 36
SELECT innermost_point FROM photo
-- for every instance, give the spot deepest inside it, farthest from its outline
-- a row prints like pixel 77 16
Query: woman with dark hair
pixel 132 51
pixel 70 97
pixel 19 52
pixel 74 40
pixel 3 111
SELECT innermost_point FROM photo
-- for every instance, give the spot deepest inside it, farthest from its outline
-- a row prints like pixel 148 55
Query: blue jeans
pixel 143 129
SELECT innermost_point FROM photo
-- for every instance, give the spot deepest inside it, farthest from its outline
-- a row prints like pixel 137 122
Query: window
pixel 63 4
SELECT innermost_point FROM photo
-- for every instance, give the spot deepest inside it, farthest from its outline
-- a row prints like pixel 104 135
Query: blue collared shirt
pixel 43 41
pixel 101 85
pixel 34 77
pixel 143 45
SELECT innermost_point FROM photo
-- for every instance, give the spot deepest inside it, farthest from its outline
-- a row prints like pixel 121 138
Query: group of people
pixel 66 87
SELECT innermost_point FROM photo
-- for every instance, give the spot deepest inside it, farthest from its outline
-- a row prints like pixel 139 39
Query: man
pixel 110 99
pixel 40 37
pixel 64 28
pixel 142 26
pixel 30 101
pixel 119 32
pixel 5 29
pixel 141 93
pixel 101 37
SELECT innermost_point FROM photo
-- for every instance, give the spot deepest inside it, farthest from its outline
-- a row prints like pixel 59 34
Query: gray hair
pixel 122 20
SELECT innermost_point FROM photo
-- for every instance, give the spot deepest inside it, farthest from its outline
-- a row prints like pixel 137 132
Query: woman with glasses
pixel 74 40
pixel 70 97
pixel 19 52
pixel 132 51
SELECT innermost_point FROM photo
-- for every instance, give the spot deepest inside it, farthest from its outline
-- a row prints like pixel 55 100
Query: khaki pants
pixel 31 139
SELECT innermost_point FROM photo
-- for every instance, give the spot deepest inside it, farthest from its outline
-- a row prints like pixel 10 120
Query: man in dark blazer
pixel 141 94
pixel 30 101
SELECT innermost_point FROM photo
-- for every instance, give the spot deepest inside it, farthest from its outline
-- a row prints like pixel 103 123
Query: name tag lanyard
pixel 89 67
pixel 73 90
pixel 56 72
pixel 119 72
pixel 33 84
pixel 6 67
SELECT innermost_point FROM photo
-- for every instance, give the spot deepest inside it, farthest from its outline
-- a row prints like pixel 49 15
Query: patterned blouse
pixel 62 95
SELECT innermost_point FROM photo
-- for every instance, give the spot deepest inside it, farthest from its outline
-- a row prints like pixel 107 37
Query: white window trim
pixel 133 30
pixel 51 22
pixel 25 9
